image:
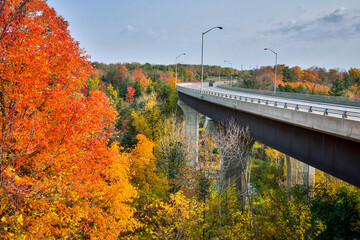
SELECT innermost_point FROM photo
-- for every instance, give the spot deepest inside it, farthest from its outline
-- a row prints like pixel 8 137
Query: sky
pixel 305 33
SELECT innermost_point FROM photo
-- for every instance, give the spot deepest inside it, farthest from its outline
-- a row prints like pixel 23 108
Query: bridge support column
pixel 299 173
pixel 191 131
pixel 231 172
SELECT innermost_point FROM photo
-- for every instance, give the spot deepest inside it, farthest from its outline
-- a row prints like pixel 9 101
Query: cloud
pixel 335 17
pixel 357 28
pixel 337 24
pixel 129 28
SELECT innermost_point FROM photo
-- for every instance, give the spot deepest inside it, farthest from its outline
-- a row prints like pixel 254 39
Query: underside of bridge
pixel 332 154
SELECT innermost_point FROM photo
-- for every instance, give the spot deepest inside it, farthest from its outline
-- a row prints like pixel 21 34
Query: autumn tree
pixel 58 176
pixel 92 84
pixel 311 75
pixel 265 79
pixel 235 143
pixel 144 172
pixel 171 152
pixel 297 73
pixel 355 75
pixel 146 118
pixel 121 72
pixel 168 78
pixel 177 218
pixel 333 75
pixel 138 76
pixel 130 96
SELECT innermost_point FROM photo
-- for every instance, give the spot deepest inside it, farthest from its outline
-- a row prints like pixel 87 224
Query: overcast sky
pixel 324 33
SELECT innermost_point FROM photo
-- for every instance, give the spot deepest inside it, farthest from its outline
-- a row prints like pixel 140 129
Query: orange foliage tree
pixel 138 76
pixel 58 177
pixel 130 95
pixel 169 78
pixel 311 75
pixel 122 70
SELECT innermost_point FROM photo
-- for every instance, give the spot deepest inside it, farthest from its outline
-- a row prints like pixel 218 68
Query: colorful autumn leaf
pixel 59 178
pixel 130 96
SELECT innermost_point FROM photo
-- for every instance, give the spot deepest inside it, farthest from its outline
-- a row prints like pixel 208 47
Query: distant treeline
pixel 314 80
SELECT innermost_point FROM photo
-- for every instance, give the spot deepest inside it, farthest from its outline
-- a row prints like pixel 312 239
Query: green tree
pixel 339 209
pixel 287 75
pixel 347 80
pixel 337 87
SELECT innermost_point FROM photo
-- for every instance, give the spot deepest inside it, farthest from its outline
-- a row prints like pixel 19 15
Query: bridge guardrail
pixel 282 104
pixel 301 96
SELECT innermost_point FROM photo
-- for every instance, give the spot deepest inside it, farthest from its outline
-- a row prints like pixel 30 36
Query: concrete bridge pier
pixel 299 173
pixel 231 172
pixel 191 132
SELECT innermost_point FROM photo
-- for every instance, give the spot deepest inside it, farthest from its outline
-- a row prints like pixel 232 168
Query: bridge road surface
pixel 314 104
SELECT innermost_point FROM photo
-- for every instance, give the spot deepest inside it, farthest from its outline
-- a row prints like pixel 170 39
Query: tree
pixel 297 73
pixel 144 172
pixel 122 72
pixel 146 118
pixel 265 78
pixel 337 87
pixel 355 75
pixel 130 96
pixel 138 76
pixel 347 80
pixel 333 75
pixel 171 152
pixel 92 84
pixel 288 74
pixel 178 218
pixel 168 78
pixel 311 75
pixel 58 176
pixel 235 143
pixel 337 205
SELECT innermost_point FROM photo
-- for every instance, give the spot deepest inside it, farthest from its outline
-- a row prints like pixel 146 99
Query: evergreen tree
pixel 337 87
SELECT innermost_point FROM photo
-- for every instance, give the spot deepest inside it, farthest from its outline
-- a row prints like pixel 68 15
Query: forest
pixel 90 150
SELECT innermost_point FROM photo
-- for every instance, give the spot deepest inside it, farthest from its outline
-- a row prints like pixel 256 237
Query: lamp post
pixel 176 67
pixel 202 55
pixel 275 67
pixel 230 72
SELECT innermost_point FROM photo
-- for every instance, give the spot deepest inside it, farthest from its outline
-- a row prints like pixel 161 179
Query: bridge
pixel 323 135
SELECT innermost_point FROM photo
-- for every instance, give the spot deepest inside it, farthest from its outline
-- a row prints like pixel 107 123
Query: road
pixel 334 110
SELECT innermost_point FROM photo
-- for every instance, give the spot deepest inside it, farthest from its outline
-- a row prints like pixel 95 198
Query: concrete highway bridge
pixel 324 135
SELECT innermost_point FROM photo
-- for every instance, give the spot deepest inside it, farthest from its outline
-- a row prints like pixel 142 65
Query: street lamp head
pixel 180 55
pixel 220 28
pixel 271 50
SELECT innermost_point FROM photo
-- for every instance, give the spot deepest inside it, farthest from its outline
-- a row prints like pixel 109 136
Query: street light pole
pixel 176 67
pixel 230 72
pixel 275 67
pixel 202 55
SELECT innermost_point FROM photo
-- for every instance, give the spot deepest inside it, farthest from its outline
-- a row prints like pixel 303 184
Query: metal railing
pixel 301 96
pixel 280 104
